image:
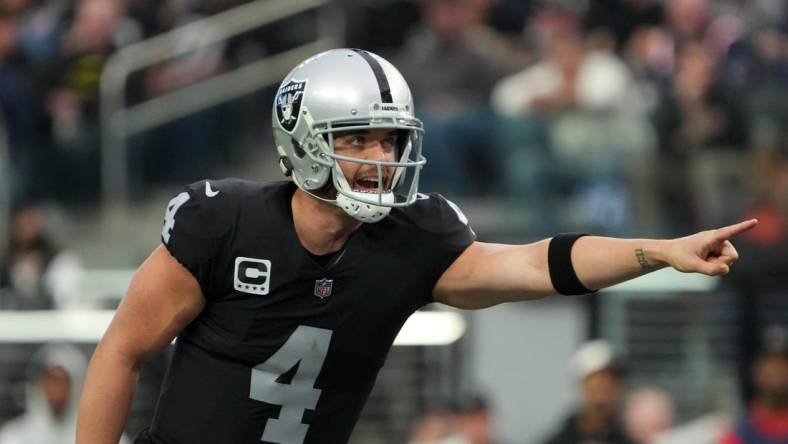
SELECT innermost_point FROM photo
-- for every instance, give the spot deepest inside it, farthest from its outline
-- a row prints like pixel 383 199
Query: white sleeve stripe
pixel 459 212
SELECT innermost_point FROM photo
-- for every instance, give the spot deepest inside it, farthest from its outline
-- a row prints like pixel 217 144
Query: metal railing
pixel 5 187
pixel 119 122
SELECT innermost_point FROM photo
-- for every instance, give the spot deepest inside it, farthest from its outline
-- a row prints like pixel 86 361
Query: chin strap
pixel 360 211
pixel 365 212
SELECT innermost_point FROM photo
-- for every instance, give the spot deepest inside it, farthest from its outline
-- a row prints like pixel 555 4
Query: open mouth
pixel 371 185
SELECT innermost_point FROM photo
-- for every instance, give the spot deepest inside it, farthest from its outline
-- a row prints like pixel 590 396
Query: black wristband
pixel 559 260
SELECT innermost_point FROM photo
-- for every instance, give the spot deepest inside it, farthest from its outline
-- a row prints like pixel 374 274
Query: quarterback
pixel 285 297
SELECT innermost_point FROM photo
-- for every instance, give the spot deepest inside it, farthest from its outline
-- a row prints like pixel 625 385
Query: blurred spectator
pixel 14 7
pixel 36 274
pixel 372 33
pixel 765 245
pixel 755 14
pixel 623 17
pixel 704 430
pixel 766 420
pixel 757 67
pixel 699 112
pixel 648 412
pixel 437 426
pixel 702 130
pixel 451 63
pixel 550 84
pixel 650 55
pixel 688 20
pixel 475 420
pixel 17 108
pixel 510 16
pixel 42 26
pixel 589 126
pixel 596 419
pixel 98 29
pixel 466 55
pixel 55 376
pixel 179 150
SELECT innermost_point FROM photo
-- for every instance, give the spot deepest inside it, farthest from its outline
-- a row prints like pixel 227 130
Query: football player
pixel 285 297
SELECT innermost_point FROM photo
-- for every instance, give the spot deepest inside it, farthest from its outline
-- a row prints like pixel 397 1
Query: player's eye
pixel 355 139
pixel 389 142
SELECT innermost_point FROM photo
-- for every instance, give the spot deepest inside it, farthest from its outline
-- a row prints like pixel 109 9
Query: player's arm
pixel 162 299
pixel 488 274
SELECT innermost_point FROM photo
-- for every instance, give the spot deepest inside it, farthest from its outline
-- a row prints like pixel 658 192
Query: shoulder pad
pixel 204 210
pixel 433 212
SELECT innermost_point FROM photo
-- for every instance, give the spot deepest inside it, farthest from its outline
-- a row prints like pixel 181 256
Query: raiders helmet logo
pixel 288 103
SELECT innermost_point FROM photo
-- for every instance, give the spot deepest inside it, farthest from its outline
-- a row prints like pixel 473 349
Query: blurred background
pixel 647 118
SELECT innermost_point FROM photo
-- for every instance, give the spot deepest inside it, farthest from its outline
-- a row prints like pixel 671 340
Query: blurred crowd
pixel 607 411
pixel 655 117
pixel 52 54
pixel 612 115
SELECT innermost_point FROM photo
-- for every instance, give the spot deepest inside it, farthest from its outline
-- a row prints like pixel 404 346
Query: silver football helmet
pixel 346 90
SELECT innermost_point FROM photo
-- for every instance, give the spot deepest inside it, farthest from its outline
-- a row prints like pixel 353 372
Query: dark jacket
pixel 570 434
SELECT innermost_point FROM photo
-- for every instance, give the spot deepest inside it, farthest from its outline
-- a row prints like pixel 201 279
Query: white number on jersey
pixel 305 348
pixel 169 215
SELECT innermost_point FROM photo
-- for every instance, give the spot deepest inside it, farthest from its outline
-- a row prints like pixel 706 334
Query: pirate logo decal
pixel 288 103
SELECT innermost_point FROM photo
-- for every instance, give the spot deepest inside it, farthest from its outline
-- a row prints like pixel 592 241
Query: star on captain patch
pixel 323 287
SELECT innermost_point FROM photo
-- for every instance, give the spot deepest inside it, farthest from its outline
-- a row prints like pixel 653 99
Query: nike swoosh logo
pixel 208 191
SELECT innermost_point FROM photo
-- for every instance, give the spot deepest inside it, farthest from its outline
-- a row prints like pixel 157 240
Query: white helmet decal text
pixel 288 103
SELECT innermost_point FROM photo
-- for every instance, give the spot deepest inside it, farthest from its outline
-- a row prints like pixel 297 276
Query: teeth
pixel 370 190
pixel 372 185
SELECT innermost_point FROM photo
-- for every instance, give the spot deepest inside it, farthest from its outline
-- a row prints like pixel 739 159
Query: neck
pixel 594 422
pixel 322 227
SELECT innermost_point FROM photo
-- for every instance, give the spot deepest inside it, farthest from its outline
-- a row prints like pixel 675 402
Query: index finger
pixel 728 232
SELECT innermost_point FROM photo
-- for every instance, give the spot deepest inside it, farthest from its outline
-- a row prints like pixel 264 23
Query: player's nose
pixel 377 151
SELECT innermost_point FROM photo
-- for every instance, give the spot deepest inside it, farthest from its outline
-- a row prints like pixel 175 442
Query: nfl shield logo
pixel 323 288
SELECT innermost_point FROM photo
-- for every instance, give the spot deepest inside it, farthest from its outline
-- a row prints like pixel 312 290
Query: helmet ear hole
pixel 299 152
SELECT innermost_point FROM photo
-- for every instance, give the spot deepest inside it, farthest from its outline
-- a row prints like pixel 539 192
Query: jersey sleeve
pixel 446 230
pixel 196 223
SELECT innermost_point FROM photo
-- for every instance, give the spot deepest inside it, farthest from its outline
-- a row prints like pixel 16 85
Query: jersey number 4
pixel 305 350
pixel 169 215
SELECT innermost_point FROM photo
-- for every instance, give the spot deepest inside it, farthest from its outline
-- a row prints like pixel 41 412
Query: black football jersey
pixel 288 346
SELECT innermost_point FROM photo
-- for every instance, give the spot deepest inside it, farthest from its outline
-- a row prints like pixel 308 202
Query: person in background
pixel 475 420
pixel 648 412
pixel 30 251
pixel 55 375
pixel 596 419
pixel 766 420
pixel 452 61
pixel 438 425
pixel 36 274
pixel 98 29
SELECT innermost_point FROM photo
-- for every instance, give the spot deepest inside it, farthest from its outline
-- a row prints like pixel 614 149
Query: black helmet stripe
pixel 380 76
